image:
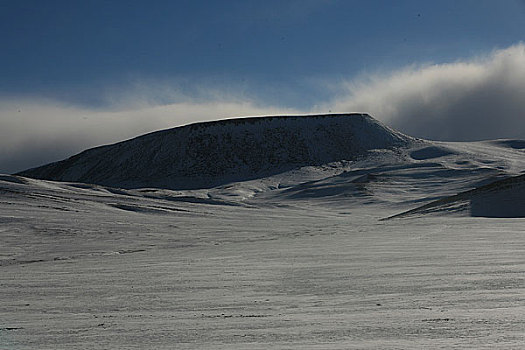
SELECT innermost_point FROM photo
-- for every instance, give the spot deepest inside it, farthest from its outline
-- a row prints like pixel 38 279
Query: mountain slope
pixel 499 199
pixel 208 154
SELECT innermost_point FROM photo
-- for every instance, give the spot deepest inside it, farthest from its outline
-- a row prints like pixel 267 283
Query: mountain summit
pixel 212 153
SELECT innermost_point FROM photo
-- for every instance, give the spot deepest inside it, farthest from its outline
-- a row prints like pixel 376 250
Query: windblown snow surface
pixel 363 239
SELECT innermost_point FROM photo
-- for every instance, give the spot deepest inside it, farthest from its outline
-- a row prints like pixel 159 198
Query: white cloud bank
pixel 482 98
pixel 35 133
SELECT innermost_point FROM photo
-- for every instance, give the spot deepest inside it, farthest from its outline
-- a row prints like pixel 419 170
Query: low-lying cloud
pixel 35 133
pixel 481 98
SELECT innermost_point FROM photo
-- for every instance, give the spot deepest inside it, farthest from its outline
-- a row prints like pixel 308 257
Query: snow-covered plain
pixel 296 260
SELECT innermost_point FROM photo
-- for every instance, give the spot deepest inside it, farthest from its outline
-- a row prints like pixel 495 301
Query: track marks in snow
pixel 10 262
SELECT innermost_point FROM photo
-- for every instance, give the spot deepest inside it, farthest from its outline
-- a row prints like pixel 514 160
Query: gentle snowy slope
pixel 500 199
pixel 85 266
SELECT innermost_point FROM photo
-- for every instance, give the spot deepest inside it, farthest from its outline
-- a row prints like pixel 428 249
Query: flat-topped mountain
pixel 208 154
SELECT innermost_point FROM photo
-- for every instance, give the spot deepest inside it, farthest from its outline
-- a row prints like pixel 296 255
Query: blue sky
pixel 107 57
pixel 78 50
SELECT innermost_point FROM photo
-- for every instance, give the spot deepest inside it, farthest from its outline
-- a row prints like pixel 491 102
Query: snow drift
pixel 209 154
pixel 499 199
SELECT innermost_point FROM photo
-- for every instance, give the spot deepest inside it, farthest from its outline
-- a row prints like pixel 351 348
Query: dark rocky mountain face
pixel 208 154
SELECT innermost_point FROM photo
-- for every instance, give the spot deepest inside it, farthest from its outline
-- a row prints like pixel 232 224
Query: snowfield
pixel 415 245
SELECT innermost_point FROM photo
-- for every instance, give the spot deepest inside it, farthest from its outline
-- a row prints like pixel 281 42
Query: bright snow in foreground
pixel 297 260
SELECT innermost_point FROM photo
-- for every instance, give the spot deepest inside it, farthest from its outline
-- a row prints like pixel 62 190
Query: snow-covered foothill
pixel 213 153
